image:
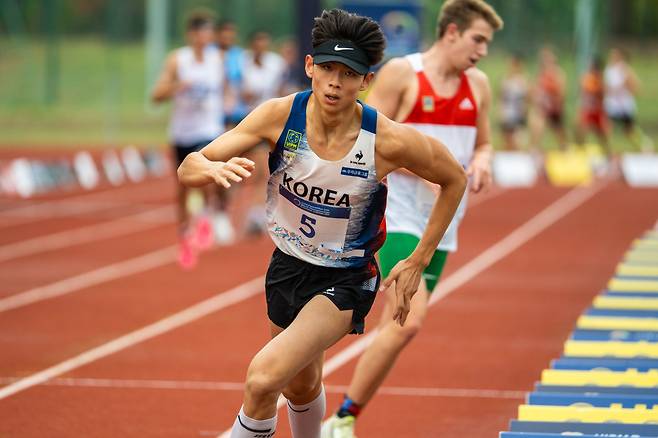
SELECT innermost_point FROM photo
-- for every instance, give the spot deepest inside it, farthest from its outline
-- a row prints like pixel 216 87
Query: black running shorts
pixel 290 283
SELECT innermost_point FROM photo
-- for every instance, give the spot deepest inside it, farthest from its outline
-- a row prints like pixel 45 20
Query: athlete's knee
pixel 303 385
pixel 409 330
pixel 262 381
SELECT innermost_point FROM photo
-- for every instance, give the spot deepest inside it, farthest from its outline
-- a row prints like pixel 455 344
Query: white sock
pixel 245 427
pixel 306 420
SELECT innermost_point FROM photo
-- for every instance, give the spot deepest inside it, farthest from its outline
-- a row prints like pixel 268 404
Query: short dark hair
pixel 463 12
pixel 363 32
pixel 199 19
pixel 225 24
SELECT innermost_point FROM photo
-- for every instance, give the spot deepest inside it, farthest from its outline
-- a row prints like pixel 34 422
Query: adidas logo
pixel 466 105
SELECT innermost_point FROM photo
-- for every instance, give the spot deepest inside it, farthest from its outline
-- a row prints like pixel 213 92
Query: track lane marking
pixel 206 307
pixel 98 276
pixel 91 233
pixel 196 385
pixel 43 210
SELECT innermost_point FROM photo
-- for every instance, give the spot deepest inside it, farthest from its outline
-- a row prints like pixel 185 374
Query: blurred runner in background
pixel 592 115
pixel 549 97
pixel 621 86
pixel 262 79
pixel 193 77
pixel 514 96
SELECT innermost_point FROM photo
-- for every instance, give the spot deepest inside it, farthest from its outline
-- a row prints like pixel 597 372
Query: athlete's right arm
pixel 221 161
pixel 167 84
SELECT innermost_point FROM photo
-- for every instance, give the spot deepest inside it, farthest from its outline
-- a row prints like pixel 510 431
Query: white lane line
pixel 84 203
pixel 470 270
pixel 186 316
pixel 91 233
pixel 92 278
pixel 195 385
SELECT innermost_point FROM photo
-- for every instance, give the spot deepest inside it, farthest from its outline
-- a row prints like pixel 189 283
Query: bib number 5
pixel 307 226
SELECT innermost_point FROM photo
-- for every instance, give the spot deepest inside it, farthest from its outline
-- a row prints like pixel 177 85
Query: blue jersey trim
pixel 369 118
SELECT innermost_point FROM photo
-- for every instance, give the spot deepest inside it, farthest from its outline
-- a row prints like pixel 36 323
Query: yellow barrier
pixel 626 303
pixel 635 378
pixel 618 323
pixel 638 271
pixel 568 168
pixel 645 243
pixel 643 257
pixel 611 349
pixel 621 285
pixel 587 414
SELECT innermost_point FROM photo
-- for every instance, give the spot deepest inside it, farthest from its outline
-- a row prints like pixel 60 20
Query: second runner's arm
pixel 403 146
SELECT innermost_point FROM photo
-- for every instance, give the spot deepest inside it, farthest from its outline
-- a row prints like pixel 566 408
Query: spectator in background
pixel 592 114
pixel 291 81
pixel 262 71
pixel 193 77
pixel 262 78
pixel 621 85
pixel 514 94
pixel 549 96
pixel 226 36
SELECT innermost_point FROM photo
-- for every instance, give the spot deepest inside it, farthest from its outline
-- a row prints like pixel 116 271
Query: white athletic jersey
pixel 262 81
pixel 198 111
pixel 618 101
pixel 514 92
pixel 453 121
pixel 327 213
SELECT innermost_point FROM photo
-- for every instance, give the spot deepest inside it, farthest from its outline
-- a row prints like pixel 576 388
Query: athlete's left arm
pixel 401 146
pixel 479 169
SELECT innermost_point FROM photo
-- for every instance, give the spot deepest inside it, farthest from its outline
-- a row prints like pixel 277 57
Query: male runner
pixel 193 78
pixel 325 212
pixel 442 94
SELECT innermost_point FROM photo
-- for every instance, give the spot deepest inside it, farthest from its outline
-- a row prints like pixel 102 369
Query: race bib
pixel 323 226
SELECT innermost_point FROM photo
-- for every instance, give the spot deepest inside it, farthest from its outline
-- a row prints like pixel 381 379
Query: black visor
pixel 344 52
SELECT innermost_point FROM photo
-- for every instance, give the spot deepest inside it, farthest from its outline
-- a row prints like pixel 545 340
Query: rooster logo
pixel 359 156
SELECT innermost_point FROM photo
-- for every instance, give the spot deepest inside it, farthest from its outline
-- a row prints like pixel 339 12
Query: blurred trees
pixel 620 18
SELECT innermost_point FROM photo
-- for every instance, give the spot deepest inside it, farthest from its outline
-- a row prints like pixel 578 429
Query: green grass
pixel 101 95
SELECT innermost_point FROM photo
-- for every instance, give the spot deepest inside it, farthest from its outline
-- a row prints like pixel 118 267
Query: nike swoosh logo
pixel 338 48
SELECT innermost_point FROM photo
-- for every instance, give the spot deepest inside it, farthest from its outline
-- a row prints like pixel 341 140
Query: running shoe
pixel 203 233
pixel 187 257
pixel 223 229
pixel 336 427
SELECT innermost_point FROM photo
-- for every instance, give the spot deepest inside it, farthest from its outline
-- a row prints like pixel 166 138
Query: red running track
pixel 483 345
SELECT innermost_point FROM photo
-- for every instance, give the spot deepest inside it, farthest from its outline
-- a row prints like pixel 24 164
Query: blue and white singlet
pixel 328 213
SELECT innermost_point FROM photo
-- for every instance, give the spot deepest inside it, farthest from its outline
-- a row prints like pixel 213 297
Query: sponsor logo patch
pixel 292 139
pixel 359 157
pixel 349 171
pixel 466 105
pixel 428 104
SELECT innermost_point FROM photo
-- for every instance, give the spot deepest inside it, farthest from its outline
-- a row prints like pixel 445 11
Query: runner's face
pixel 335 85
pixel 201 37
pixel 471 45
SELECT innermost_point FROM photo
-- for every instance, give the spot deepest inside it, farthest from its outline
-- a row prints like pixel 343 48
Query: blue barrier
pixel 613 335
pixel 602 429
pixel 596 400
pixel 612 364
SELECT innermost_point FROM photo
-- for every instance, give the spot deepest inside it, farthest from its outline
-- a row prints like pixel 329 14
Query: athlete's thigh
pixel 318 326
